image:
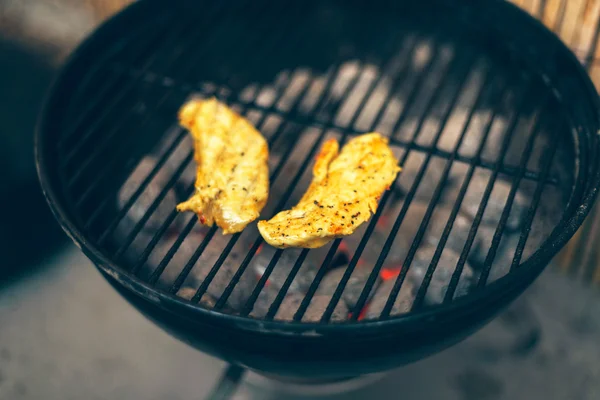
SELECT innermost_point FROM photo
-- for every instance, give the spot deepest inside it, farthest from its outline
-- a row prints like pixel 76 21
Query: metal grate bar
pixel 438 191
pixel 160 163
pixel 227 292
pixel 289 191
pixel 165 225
pixel 504 148
pixel 472 232
pixel 141 187
pixel 185 272
pixel 485 164
pixel 485 198
pixel 371 280
pixel 400 79
pixel 137 54
pixel 346 277
pixel 105 140
pixel 189 67
pixel 174 213
pixel 489 259
pixel 235 279
pixel 138 226
pixel 366 97
pixel 415 91
pixel 409 197
pixel 232 242
pixel 302 119
pixel 413 248
pixel 537 196
pixel 286 285
pixel 134 197
pixel 214 270
pixel 116 100
pixel 170 253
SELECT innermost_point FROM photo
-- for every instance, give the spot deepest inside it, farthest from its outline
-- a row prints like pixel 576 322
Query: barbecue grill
pixel 492 118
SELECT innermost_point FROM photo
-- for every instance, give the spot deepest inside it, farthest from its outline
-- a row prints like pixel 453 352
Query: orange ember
pixel 343 247
pixel 382 221
pixel 389 273
pixel 362 314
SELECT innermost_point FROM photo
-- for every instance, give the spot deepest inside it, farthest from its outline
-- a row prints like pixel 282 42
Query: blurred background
pixel 64 334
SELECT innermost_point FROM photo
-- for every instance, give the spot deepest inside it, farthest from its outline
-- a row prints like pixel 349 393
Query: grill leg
pixel 228 383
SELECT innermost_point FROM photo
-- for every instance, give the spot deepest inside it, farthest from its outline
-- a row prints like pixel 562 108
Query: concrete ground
pixel 66 334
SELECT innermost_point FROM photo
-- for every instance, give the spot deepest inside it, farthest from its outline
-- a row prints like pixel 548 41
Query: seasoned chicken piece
pixel 343 194
pixel 232 178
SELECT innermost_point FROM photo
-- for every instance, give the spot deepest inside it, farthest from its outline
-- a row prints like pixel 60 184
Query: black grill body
pixel 116 101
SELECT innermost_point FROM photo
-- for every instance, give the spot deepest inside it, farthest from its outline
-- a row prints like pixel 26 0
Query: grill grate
pixel 412 83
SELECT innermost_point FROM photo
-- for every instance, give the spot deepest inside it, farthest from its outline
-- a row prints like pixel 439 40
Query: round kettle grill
pixel 116 100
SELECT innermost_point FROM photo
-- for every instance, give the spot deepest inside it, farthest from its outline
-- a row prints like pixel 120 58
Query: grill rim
pixel 508 286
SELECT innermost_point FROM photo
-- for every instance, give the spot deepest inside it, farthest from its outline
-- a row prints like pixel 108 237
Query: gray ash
pixel 304 277
pixel 300 285
pixel 411 224
pixel 206 300
pixel 143 203
pixel 315 310
pixel 354 286
pixel 442 275
pixel 402 304
pixel 496 203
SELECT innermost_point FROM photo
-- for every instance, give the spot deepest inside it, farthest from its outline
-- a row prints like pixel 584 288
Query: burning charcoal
pixel 402 304
pixel 223 277
pixel 319 304
pixel 306 274
pixel 430 179
pixel 437 223
pixel 442 275
pixel 354 286
pixel 141 206
pixel 504 254
pixel 299 79
pixel 206 300
pixel 266 298
pixel 349 105
pixel 496 203
pixel 177 157
pixel 458 235
pixel 264 301
pixel 180 258
pixel 188 176
pixel 201 267
pixel 315 310
pixel 289 306
pixel 343 255
pixel 474 134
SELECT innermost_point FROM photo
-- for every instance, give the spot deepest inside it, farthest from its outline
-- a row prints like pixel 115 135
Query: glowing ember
pixel 389 273
pixel 343 248
pixel 382 221
pixel 363 313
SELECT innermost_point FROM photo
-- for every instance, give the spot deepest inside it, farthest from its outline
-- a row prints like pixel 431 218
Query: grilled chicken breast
pixel 232 179
pixel 342 195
